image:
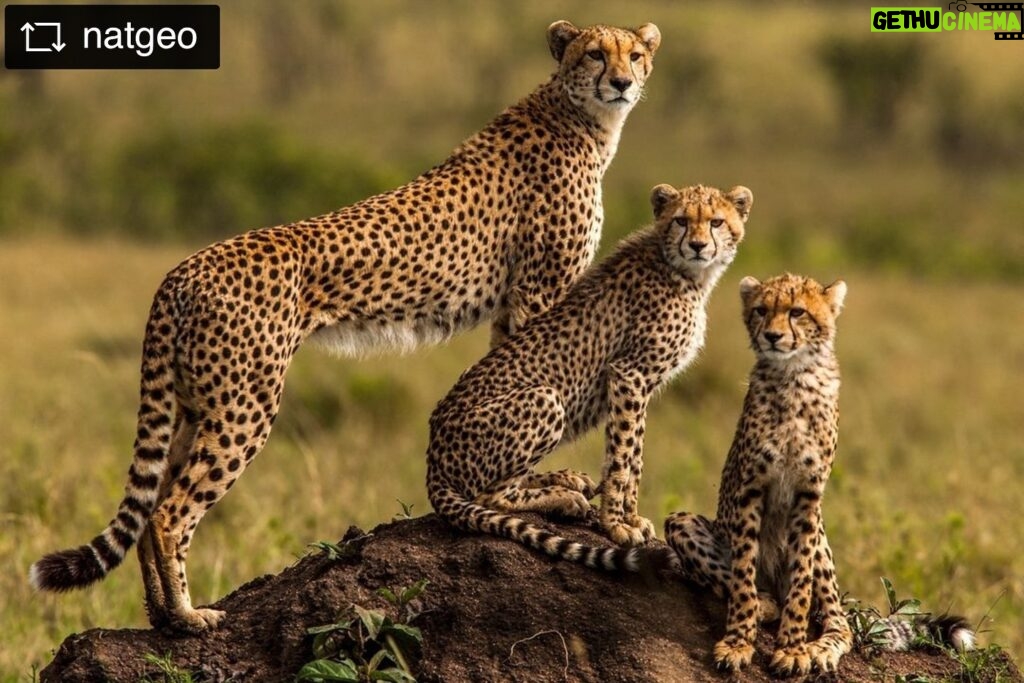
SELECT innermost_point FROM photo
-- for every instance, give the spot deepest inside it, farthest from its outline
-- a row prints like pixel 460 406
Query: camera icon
pixel 960 6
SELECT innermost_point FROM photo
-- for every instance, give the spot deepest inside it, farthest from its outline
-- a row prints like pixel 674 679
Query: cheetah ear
pixel 742 198
pixel 651 36
pixel 661 195
pixel 560 34
pixel 749 287
pixel 835 294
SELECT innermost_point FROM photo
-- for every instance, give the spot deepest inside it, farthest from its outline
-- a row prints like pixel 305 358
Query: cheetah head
pixel 602 68
pixel 789 316
pixel 702 226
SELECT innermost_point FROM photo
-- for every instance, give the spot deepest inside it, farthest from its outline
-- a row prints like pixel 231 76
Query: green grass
pixel 924 490
pixel 916 205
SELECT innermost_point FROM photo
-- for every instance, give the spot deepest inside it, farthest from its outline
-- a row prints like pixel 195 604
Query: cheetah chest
pixel 789 453
pixel 690 342
pixel 594 236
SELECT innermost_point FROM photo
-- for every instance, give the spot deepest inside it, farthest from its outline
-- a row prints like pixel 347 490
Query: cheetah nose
pixel 772 337
pixel 621 84
pixel 697 246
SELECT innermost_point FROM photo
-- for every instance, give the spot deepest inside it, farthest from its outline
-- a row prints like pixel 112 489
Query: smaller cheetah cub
pixel 625 329
pixel 768 546
pixel 769 535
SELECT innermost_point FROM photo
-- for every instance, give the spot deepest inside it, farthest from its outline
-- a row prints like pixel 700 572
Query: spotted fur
pixel 499 231
pixel 767 547
pixel 624 330
pixel 769 536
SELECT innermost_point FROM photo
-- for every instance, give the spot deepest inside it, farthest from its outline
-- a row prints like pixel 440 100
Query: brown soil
pixel 493 611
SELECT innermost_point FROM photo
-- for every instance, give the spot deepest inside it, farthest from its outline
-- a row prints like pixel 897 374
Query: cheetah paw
pixel 623 534
pixel 733 653
pixel 645 526
pixel 198 620
pixel 581 481
pixel 573 504
pixel 826 652
pixel 570 479
pixel 791 661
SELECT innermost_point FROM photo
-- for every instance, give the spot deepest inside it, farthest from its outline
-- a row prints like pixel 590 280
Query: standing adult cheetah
pixel 621 332
pixel 768 546
pixel 500 230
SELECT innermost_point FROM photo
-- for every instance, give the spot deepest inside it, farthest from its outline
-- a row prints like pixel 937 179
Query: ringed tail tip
pixel 66 570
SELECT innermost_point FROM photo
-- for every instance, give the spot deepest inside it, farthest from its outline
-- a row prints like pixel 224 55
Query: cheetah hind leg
pixel 568 479
pixel 511 496
pixel 181 444
pixel 214 464
pixel 702 548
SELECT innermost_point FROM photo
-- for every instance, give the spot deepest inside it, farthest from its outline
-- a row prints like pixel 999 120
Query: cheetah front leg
pixel 792 655
pixel 736 649
pixel 624 439
pixel 836 637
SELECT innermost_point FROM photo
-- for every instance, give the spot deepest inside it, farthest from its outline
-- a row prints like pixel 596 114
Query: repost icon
pixel 112 36
pixel 39 27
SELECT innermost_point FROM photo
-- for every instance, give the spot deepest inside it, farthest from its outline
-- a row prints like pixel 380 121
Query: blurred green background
pixel 893 161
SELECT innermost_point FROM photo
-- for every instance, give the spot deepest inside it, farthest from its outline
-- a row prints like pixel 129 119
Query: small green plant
pixel 985 665
pixel 340 551
pixel 406 512
pixel 169 671
pixel 404 599
pixel 367 645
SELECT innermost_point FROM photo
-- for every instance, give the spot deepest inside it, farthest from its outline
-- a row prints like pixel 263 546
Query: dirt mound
pixel 493 611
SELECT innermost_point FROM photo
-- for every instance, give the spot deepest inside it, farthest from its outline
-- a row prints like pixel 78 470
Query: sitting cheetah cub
pixel 627 327
pixel 769 534
pixel 768 544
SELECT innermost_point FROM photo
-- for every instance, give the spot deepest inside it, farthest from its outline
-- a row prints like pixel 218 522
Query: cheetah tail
pixel 469 516
pixel 79 567
pixel 901 634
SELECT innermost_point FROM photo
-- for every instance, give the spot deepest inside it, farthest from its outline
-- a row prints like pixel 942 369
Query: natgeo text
pixel 112 36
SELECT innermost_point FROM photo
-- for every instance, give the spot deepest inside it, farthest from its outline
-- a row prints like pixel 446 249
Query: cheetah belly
pixel 360 338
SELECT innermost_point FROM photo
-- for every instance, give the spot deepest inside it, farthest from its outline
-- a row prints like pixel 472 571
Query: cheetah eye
pixel 796 312
pixel 596 55
pixel 635 56
pixel 681 221
pixel 716 222
pixel 761 310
